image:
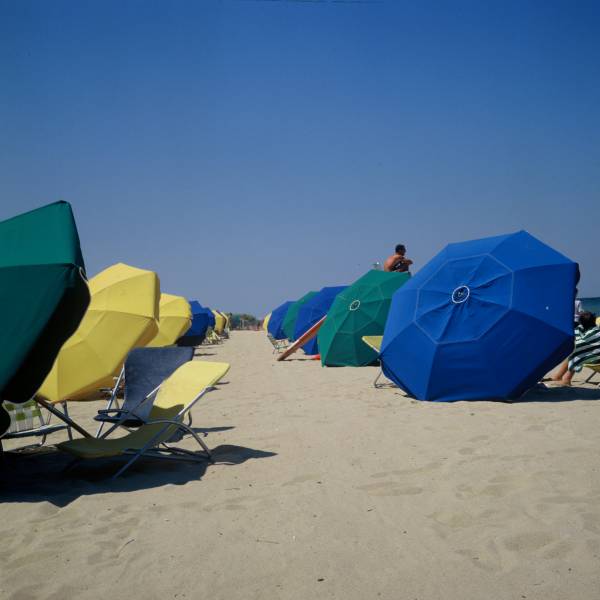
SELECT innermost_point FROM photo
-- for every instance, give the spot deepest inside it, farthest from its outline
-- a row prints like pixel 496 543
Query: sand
pixel 324 487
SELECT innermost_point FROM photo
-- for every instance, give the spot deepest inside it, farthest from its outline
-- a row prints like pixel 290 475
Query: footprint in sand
pixel 528 542
pixel 389 488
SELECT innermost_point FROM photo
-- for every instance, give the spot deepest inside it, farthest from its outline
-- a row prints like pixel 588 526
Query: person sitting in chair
pixel 586 351
pixel 397 263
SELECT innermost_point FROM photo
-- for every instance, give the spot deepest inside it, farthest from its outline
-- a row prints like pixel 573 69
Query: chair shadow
pixel 44 475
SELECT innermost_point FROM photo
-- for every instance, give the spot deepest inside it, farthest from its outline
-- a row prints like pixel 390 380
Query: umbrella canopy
pixel 212 321
pixel 195 334
pixel 122 315
pixel 43 295
pixel 361 309
pixel 219 321
pixel 484 319
pixel 275 327
pixel 175 318
pixel 312 312
pixel 265 323
pixel 289 322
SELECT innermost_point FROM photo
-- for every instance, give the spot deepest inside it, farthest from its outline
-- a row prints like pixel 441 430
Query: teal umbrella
pixel 289 323
pixel 361 309
pixel 43 295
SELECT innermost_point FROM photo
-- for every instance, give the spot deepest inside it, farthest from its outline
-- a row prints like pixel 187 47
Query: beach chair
pixel 174 399
pixel 212 337
pixel 27 420
pixel 278 345
pixel 374 342
pixel 595 370
pixel 143 372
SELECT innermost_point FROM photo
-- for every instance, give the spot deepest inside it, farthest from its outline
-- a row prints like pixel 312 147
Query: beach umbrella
pixel 219 321
pixel 484 319
pixel 197 331
pixel 265 324
pixel 289 322
pixel 43 296
pixel 211 317
pixel 123 314
pixel 361 309
pixel 312 312
pixel 175 318
pixel 275 327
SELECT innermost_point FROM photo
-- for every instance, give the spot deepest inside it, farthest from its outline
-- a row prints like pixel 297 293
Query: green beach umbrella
pixel 289 323
pixel 361 309
pixel 43 295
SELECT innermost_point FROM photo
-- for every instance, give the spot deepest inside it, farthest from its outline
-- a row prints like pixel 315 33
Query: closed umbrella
pixel 289 322
pixel 275 327
pixel 484 319
pixel 312 312
pixel 122 315
pixel 361 309
pixel 175 318
pixel 43 296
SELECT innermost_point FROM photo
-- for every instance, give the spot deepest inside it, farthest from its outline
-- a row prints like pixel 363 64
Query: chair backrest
pixel 146 369
pixel 183 386
pixel 23 417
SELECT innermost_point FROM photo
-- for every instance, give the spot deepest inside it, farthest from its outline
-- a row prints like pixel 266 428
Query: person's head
pixel 587 320
pixel 400 249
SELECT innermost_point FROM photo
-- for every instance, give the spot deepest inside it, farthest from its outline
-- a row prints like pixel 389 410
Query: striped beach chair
pixel 27 420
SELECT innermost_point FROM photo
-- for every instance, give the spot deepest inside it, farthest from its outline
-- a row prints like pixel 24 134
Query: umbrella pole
pixel 63 417
pixel 305 337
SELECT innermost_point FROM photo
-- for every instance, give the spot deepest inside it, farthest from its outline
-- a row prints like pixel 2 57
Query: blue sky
pixel 249 151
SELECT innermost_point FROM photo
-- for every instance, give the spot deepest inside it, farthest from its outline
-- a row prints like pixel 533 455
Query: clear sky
pixel 252 150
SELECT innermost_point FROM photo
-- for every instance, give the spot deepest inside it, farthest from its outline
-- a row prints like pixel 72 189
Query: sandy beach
pixel 324 487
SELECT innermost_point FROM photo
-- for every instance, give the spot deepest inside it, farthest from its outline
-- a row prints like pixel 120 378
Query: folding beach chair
pixel 374 342
pixel 143 372
pixel 174 399
pixel 595 368
pixel 278 345
pixel 212 337
pixel 26 420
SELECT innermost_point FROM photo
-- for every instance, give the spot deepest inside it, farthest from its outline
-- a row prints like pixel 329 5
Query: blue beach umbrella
pixel 275 327
pixel 200 323
pixel 211 317
pixel 484 319
pixel 313 311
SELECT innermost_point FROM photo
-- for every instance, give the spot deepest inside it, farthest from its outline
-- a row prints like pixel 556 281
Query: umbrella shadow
pixel 44 475
pixel 544 393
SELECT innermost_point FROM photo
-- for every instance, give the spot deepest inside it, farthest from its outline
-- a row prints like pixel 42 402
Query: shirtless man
pixel 397 262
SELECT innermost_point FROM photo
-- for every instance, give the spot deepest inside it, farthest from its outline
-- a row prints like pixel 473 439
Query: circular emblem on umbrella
pixel 354 305
pixel 461 294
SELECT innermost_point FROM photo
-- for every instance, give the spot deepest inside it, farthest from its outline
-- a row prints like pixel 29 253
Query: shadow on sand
pixel 539 393
pixel 41 475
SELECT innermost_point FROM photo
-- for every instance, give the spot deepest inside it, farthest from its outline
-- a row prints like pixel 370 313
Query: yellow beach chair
pixel 595 368
pixel 374 342
pixel 174 399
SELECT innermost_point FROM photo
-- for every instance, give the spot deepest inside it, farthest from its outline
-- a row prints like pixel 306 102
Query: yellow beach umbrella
pixel 266 321
pixel 174 319
pixel 219 321
pixel 122 315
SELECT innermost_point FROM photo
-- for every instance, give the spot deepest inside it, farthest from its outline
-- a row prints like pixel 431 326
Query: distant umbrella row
pixel 484 319
pixel 63 337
